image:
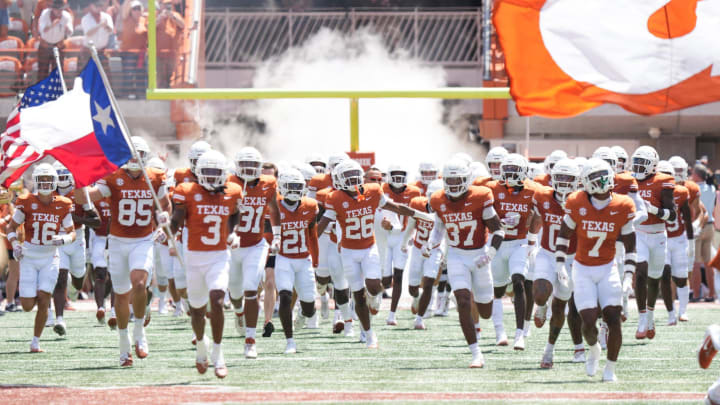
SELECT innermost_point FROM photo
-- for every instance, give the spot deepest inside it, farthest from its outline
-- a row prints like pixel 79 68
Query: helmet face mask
pixel 211 170
pixel 318 166
pixel 455 186
pixel 598 177
pixel 45 178
pixel 513 175
pixel 456 178
pixel 644 162
pixel 291 186
pixel 641 167
pixel 565 178
pixel 196 150
pixel 494 169
pixel 350 179
pixel 398 178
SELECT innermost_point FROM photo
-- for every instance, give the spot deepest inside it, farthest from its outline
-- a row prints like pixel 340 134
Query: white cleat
pixel 547 360
pixel 440 310
pixel 178 310
pixel 162 307
pixel 419 324
pixel 609 375
pixel 348 329
pixel 478 361
pixel 372 341
pixel 313 322
pixel 603 335
pixel 240 323
pixel 501 338
pixel 60 328
pixel 290 348
pixel 672 319
pixel 593 360
pixel 519 343
pixel 391 321
pixel 683 317
pixel 579 356
pixel 250 350
pixel 324 306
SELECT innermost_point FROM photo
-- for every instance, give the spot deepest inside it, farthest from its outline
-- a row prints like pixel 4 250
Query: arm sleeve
pixel 162 190
pixel 569 221
pixel 67 222
pixel 438 232
pixel 330 214
pixel 408 231
pixel 640 209
pixel 489 212
pixel 18 216
pixel 383 200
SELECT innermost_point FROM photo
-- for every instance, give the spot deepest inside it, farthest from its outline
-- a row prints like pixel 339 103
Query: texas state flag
pixel 79 128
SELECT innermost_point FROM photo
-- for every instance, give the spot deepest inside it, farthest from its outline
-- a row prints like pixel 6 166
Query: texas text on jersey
pixel 42 221
pixel 551 212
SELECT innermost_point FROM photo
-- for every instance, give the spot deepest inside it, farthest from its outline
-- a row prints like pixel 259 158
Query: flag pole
pixel 126 134
pixel 58 66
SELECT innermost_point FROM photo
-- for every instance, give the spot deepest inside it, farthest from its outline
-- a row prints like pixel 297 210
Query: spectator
pixel 98 28
pixel 4 18
pixel 170 27
pixel 133 43
pixel 26 10
pixel 703 242
pixel 55 25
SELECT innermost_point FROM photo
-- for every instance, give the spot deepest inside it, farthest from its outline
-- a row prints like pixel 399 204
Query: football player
pixel 247 263
pixel 554 157
pixel 7 208
pixel 493 159
pixel 354 207
pixel 423 270
pixel 130 244
pixel 209 211
pixel 597 217
pixel 324 180
pixel 398 191
pixel 427 173
pixel 98 259
pixel 318 163
pixel 622 158
pixel 680 249
pixel 657 191
pixel 548 207
pixel 43 215
pixel 465 215
pixel 72 256
pixel 298 254
pixel 513 204
pixel 697 210
pixel 188 174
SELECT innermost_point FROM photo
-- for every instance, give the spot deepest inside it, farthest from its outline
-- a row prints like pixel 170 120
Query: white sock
pixel 610 365
pixel 474 349
pixel 477 326
pixel 290 341
pixel 138 328
pixel 201 348
pixel 580 346
pixel 124 340
pixel 35 341
pixel 161 298
pixel 549 348
pixel 683 294
pixel 184 304
pixel 519 332
pixel 217 355
pixel 671 314
pixel 368 332
pixel 250 332
pixel 526 326
pixel 391 315
pixel 346 311
pixel 497 314
pixel 650 315
pixel 59 319
pixel 595 349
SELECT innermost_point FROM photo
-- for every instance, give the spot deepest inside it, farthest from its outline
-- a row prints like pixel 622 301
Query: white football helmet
pixel 643 162
pixel 434 186
pixel 248 163
pixel 65 178
pixel 598 177
pixel 143 151
pixel 534 170
pixel 307 170
pixel 45 178
pixel 607 155
pixel 397 176
pixel 291 185
pixel 622 157
pixel 554 157
pixel 211 170
pixel 680 168
pixel 333 160
pixel 513 170
pixel 666 167
pixel 428 172
pixel 493 159
pixel 456 178
pixel 318 162
pixel 462 157
pixel 565 177
pixel 157 163
pixel 349 175
pixel 478 170
pixel 196 150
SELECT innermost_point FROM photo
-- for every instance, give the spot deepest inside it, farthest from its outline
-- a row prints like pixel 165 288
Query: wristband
pixel 560 256
pixel 631 256
pixel 664 214
pixel 532 237
pixel 15 243
pixel 276 230
pixel 500 233
pixel 562 242
pixel 629 268
pixel 12 235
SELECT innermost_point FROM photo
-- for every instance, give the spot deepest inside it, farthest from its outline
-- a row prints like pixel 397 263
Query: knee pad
pixel 285 297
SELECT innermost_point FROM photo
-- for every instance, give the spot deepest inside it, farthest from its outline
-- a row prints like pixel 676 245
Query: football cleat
pixel 59 328
pixel 314 321
pixel 709 346
pixel 683 318
pixel 519 343
pixel 348 329
pixel 391 321
pixel 112 321
pixel 141 348
pixel 419 324
pixel 593 360
pixel 372 341
pixel 178 310
pixel 579 356
pixel 290 348
pixel 100 315
pixel 126 360
pixel 268 329
pixel 540 316
pixel 201 362
pixel 250 350
pixel 641 332
pixel 547 361
pixel 299 322
pixel 651 329
pixel 221 370
pixel 36 349
pixel 363 336
pixel 672 319
pixel 477 360
pixel 609 375
pixel 501 338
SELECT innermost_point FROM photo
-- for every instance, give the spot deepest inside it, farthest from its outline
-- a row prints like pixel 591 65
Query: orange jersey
pixel 319 182
pixel 103 208
pixel 131 202
pixel 254 206
pixel 403 198
pixel 625 183
pixel 73 210
pixel 543 179
pixel 463 219
pixel 651 189
pixel 597 230
pixel 676 228
pixel 422 186
pixel 693 189
pixel 6 213
pixel 356 216
pixel 42 221
pixel 207 214
pixel 422 227
pixel 507 200
pixel 551 212
pixel 296 232
pixel 320 197
pixel 184 175
pixel 482 181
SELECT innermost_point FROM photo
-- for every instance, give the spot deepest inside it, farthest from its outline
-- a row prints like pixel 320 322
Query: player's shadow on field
pixel 92 368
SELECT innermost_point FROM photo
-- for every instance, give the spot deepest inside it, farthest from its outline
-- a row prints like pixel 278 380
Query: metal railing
pixel 197 26
pixel 245 39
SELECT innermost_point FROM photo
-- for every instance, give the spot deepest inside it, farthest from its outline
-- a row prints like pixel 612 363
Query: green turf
pixel 408 360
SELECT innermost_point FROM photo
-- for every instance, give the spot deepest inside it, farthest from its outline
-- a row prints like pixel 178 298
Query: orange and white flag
pixel 565 57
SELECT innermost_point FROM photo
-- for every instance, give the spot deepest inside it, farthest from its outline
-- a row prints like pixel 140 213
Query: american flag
pixel 17 154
